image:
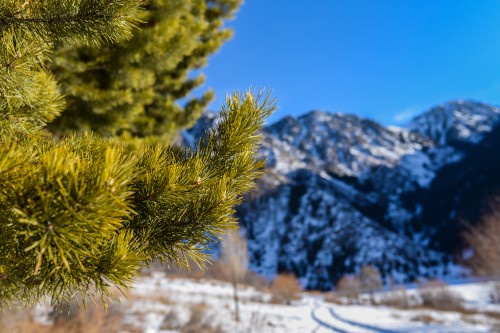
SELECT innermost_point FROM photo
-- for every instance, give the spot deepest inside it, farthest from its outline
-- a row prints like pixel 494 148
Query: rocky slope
pixel 341 192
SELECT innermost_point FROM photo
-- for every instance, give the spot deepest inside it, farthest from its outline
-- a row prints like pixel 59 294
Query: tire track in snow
pixel 323 323
pixel 357 324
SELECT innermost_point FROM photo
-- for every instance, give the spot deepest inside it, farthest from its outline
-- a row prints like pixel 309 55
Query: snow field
pixel 156 296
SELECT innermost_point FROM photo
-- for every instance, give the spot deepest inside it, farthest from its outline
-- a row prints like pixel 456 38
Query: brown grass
pixel 200 322
pixel 90 320
pixel 334 298
pixel 425 318
pixel 397 298
pixel 171 321
pixel 436 295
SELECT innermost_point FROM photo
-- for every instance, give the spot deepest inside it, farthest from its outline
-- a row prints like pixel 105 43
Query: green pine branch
pixel 82 21
pixel 84 214
pixel 80 215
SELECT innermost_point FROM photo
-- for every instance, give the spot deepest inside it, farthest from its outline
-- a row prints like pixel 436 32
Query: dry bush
pixel 171 321
pixel 257 281
pixel 200 322
pixel 483 238
pixel 333 298
pixel 194 272
pixel 425 318
pixel 495 293
pixel 285 288
pixel 370 279
pixel 492 314
pixel 349 286
pixel 396 298
pixel 472 319
pixel 234 263
pixel 158 297
pixel 216 271
pixel 258 322
pixel 11 320
pixel 78 320
pixel 435 294
pixel 495 328
pixel 257 299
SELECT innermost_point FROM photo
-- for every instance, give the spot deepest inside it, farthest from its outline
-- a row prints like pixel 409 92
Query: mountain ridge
pixel 341 191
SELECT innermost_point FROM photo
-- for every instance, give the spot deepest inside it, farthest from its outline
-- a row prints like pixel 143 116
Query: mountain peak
pixel 457 123
pixel 343 144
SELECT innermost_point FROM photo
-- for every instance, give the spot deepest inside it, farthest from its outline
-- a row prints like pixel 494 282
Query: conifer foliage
pixel 132 89
pixel 82 213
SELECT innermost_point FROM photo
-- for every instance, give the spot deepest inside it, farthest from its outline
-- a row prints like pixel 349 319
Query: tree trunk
pixel 236 307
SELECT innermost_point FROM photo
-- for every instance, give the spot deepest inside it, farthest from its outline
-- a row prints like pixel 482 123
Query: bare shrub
pixel 334 298
pixel 472 319
pixel 194 272
pixel 495 293
pixel 349 286
pixel 92 319
pixel 370 279
pixel 397 298
pixel 435 294
pixel 285 288
pixel 200 322
pixel 483 238
pixel 78 320
pixel 171 321
pixel 495 328
pixel 217 271
pixel 257 281
pixel 425 318
pixel 11 320
pixel 234 262
pixel 492 314
pixel 257 322
pixel 154 297
pixel 257 299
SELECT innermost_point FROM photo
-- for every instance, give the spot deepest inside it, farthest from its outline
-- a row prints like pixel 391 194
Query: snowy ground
pixel 165 305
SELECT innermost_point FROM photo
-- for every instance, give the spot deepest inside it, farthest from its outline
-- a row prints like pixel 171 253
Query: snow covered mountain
pixel 341 192
pixel 457 123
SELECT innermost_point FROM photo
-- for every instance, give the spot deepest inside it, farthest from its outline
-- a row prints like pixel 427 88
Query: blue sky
pixel 382 59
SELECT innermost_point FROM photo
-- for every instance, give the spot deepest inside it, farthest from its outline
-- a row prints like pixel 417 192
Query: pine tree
pixel 83 213
pixel 133 89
